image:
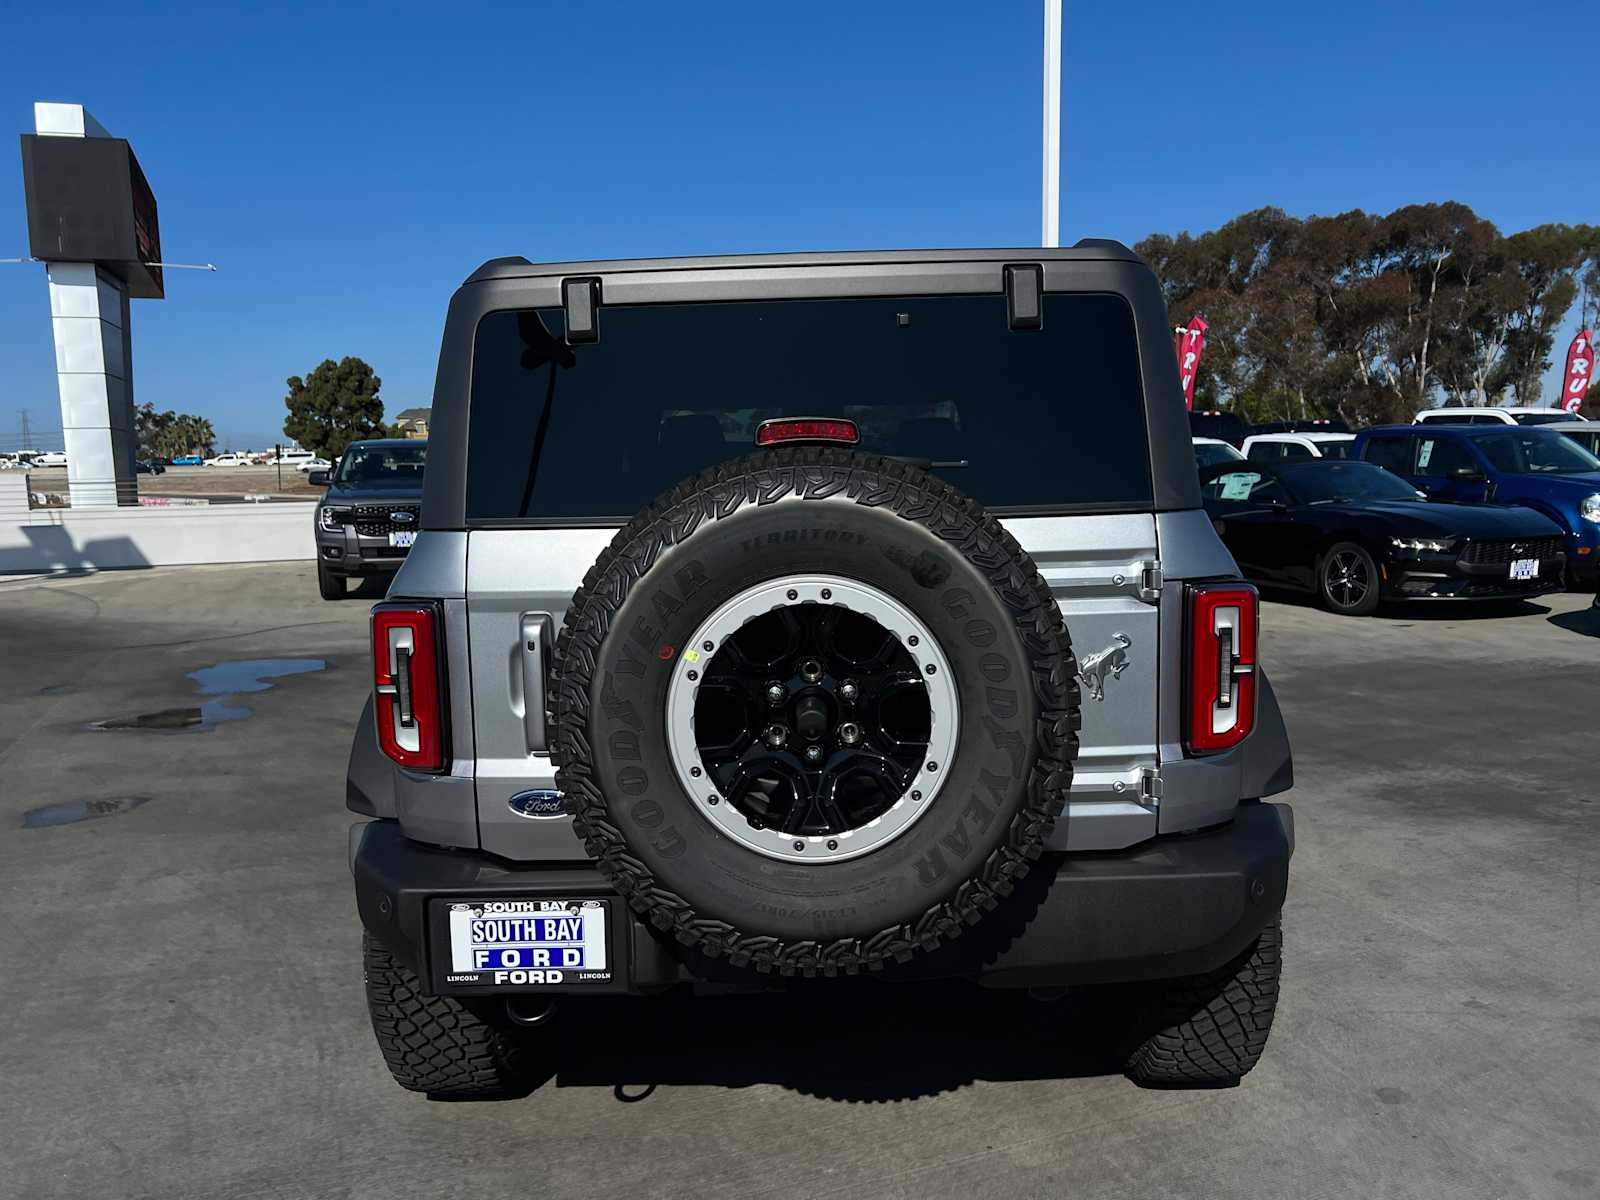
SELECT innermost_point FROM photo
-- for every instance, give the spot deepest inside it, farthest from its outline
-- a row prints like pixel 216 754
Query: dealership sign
pixel 1580 371
pixel 1191 343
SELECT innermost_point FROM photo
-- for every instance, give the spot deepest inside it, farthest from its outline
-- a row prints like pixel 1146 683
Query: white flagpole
pixel 1052 123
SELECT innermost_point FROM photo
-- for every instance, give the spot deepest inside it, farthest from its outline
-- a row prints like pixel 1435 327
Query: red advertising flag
pixel 1580 371
pixel 1191 344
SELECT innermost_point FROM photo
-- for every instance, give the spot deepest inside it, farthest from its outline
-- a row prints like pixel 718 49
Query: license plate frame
pixel 1523 569
pixel 402 538
pixel 533 943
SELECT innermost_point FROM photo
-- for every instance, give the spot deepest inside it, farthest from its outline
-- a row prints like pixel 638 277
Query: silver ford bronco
pixel 844 614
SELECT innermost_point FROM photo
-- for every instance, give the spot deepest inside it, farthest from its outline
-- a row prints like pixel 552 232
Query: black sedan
pixel 1354 535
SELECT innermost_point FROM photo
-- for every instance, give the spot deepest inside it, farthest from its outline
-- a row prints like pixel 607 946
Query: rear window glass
pixel 1050 419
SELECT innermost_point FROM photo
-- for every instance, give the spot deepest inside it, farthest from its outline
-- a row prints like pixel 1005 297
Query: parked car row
pixel 1489 511
pixel 1221 425
pixel 1354 535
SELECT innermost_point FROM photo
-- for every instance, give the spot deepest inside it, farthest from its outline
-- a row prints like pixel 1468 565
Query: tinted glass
pixel 1337 449
pixel 1590 441
pixel 1047 419
pixel 1206 453
pixel 1265 452
pixel 1438 458
pixel 383 465
pixel 1522 451
pixel 1224 425
pixel 1296 450
pixel 1392 453
pixel 1241 486
pixel 1542 418
pixel 1326 480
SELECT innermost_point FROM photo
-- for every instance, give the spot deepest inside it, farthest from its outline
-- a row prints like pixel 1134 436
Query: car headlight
pixel 328 519
pixel 1414 546
pixel 1589 510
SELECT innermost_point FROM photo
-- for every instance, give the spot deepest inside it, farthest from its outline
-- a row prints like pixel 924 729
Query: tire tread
pixel 1210 1030
pixel 438 1044
pixel 815 473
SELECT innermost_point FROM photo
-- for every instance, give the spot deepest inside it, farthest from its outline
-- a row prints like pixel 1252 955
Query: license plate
pixel 402 537
pixel 1525 568
pixel 528 943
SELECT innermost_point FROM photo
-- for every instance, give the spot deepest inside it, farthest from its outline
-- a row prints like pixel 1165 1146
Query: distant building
pixel 414 421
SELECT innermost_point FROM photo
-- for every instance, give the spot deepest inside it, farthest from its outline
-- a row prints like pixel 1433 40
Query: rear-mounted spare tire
pixel 814 711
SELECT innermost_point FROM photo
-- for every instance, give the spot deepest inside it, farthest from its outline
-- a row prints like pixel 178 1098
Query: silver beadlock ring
pixel 915 638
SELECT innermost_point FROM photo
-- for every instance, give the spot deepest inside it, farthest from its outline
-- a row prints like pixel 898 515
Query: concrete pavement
pixel 182 996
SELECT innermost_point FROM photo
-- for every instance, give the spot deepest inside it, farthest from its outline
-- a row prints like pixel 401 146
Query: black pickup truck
pixel 368 519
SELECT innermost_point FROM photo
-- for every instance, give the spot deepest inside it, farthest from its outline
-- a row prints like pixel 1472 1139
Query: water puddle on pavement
pixel 73 811
pixel 224 681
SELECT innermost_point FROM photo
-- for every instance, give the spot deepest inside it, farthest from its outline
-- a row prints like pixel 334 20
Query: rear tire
pixel 1348 581
pixel 441 1045
pixel 330 585
pixel 1209 1030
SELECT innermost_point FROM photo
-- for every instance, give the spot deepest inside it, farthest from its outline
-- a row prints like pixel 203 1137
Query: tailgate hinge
pixel 1150 786
pixel 1150 581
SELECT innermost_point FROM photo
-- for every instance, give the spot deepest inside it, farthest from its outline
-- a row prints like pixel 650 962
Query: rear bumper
pixel 1173 906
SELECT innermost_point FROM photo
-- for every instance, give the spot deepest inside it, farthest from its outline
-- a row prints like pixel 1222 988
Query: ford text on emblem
pixel 402 518
pixel 537 804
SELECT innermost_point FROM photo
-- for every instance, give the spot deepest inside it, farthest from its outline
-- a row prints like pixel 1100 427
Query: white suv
pixel 1492 415
pixel 1271 447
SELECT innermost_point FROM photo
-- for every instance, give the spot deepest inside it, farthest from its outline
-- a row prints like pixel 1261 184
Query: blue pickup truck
pixel 1500 464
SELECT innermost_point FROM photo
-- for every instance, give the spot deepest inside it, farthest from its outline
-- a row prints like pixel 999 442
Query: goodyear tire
pixel 797 561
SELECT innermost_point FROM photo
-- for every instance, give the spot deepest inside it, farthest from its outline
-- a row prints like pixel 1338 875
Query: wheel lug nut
pixel 776 735
pixel 776 693
pixel 849 733
pixel 813 753
pixel 799 846
pixel 848 691
pixel 810 670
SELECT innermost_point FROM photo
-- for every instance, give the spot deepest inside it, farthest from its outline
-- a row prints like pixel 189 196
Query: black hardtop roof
pixel 1086 250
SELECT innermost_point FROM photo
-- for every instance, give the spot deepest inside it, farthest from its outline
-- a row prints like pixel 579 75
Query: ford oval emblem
pixel 539 804
pixel 402 518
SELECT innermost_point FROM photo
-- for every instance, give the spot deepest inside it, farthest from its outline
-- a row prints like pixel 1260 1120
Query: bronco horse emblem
pixel 1096 668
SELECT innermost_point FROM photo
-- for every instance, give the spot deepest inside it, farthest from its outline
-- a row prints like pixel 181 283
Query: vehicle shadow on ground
pixel 852 1041
pixel 1585 621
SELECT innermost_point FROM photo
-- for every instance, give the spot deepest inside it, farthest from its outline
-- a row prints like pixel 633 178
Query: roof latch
pixel 1024 295
pixel 580 303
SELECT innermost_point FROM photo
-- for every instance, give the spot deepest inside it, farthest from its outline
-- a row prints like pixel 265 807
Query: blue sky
pixel 346 166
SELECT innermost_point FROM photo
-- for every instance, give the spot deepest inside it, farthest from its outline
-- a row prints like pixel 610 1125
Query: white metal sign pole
pixel 94 356
pixel 1052 123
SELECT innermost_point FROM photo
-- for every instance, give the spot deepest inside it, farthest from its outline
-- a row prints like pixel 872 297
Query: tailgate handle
pixel 534 653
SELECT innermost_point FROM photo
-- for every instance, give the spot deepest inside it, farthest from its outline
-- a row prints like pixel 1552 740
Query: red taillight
pixel 806 429
pixel 1223 622
pixel 408 684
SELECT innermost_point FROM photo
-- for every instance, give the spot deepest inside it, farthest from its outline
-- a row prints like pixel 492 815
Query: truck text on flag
pixel 1191 344
pixel 1580 371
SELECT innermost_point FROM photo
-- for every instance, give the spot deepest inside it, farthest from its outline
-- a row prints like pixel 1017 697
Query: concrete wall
pixel 109 539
